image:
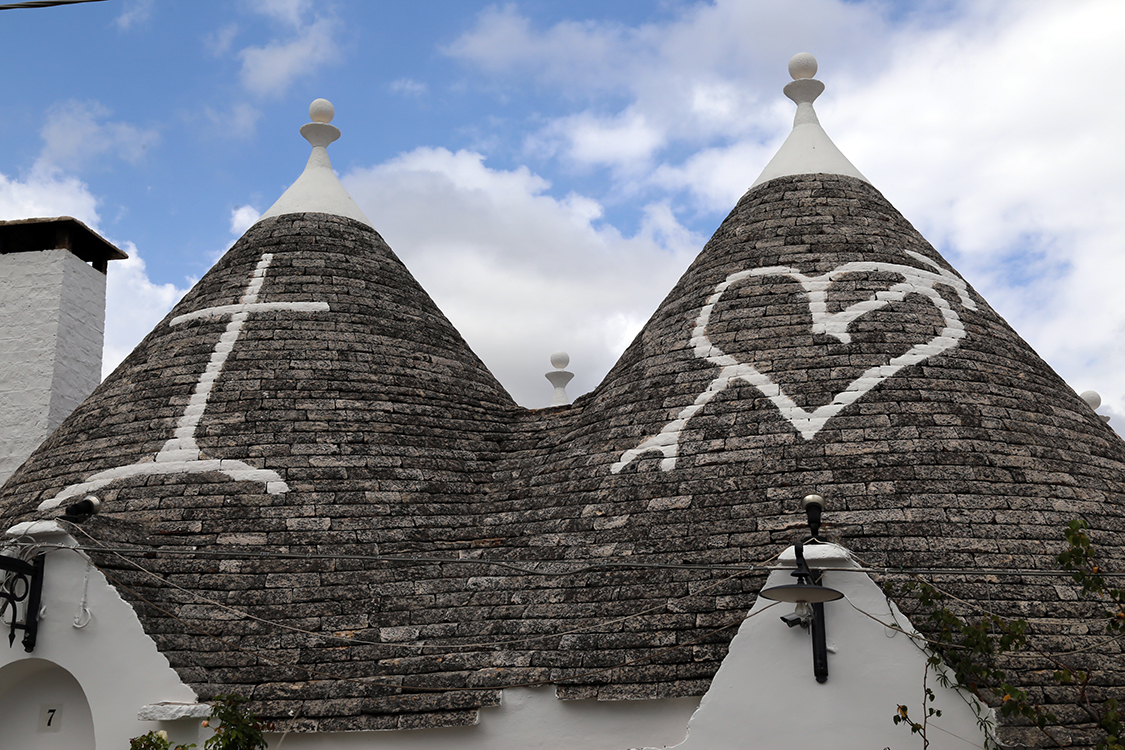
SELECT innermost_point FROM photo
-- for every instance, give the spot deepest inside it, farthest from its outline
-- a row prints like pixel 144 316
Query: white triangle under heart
pixel 808 423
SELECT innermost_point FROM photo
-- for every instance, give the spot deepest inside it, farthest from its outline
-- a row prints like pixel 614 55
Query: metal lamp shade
pixel 801 593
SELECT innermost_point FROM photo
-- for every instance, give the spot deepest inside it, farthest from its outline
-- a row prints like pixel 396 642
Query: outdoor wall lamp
pixel 83 509
pixel 808 593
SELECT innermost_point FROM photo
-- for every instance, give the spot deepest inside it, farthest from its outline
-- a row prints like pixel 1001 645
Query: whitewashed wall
pixel 115 666
pixel 765 696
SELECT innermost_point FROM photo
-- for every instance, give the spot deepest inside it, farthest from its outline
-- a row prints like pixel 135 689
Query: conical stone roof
pixel 345 414
pixel 384 540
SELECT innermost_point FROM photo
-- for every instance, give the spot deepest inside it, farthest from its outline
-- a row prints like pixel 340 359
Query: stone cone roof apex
pixel 808 149
pixel 318 190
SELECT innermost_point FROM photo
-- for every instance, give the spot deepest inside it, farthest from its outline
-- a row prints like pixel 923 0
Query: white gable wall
pixel 115 664
pixel 765 696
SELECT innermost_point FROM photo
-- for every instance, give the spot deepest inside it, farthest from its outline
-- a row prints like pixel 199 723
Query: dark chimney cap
pixel 60 233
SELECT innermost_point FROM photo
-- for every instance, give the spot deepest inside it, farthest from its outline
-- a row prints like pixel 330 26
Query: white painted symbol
pixel 915 281
pixel 180 454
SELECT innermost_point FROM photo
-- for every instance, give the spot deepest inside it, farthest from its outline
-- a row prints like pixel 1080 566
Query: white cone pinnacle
pixel 318 190
pixel 808 149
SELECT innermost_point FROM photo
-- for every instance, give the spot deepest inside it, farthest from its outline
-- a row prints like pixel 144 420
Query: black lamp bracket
pixel 816 623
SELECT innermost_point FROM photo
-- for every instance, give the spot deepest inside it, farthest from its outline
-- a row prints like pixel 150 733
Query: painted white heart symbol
pixel 915 281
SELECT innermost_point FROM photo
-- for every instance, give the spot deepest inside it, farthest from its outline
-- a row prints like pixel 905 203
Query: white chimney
pixel 52 319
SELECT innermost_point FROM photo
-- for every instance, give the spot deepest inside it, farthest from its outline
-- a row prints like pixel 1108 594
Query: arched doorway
pixel 44 708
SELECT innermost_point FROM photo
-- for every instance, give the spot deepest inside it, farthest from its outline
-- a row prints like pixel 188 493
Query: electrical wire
pixel 738 570
pixel 122 553
pixel 399 688
pixel 452 648
pixel 582 569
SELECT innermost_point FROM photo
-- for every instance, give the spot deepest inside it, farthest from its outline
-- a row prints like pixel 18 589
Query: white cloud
pixel 409 87
pixel 242 218
pixel 135 13
pixel 47 191
pixel 520 273
pixel 626 141
pixel 270 69
pixel 291 12
pixel 77 133
pixel 134 305
pixel 991 125
pixel 239 121
pixel 220 41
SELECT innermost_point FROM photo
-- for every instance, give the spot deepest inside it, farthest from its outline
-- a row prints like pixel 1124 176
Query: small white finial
pixel 802 65
pixel 559 378
pixel 321 110
pixel 1094 399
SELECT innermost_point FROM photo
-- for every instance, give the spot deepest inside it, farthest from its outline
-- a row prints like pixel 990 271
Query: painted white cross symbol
pixel 180 454
pixel 915 281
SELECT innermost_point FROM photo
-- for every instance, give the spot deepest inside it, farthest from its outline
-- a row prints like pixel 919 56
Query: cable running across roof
pixel 537 683
pixel 428 646
pixel 586 568
pixel 422 689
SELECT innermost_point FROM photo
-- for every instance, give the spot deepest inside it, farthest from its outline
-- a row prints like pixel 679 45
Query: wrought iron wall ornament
pixel 23 581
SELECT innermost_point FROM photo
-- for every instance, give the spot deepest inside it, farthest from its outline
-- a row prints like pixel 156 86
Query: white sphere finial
pixel 1092 398
pixel 321 110
pixel 802 65
pixel 559 378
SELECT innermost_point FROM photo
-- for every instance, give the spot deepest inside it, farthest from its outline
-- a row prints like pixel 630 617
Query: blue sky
pixel 548 169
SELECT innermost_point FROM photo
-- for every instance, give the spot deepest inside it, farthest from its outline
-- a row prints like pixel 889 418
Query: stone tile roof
pixel 433 542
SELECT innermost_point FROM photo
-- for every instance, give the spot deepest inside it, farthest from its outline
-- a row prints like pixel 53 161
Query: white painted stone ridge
pixel 919 281
pixel 180 453
pixel 168 711
pixel 765 696
pixel 318 189
pixel 91 650
pixel 808 149
pixel 52 317
pixel 528 718
pixel 34 528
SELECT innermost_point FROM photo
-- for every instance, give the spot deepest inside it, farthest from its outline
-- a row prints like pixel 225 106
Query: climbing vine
pixel 964 652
